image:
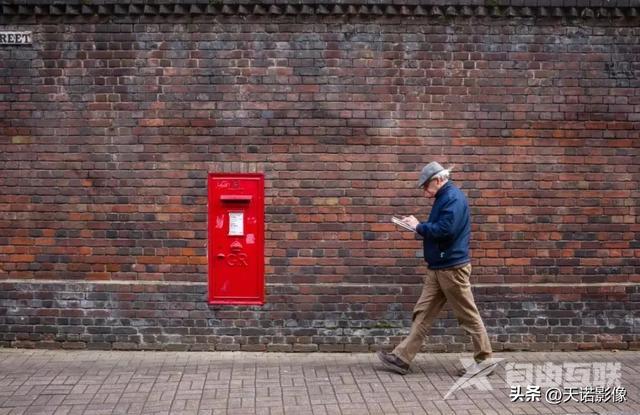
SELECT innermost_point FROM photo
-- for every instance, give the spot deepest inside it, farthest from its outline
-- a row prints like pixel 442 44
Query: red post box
pixel 236 238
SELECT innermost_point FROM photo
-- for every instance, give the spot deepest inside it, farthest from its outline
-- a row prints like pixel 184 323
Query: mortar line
pixel 323 284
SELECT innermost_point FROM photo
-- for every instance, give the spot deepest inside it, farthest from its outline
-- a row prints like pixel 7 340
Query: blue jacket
pixel 448 231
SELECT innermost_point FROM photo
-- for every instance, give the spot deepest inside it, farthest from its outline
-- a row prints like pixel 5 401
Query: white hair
pixel 444 174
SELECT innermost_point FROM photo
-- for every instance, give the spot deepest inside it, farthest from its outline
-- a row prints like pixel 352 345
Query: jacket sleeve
pixel 447 223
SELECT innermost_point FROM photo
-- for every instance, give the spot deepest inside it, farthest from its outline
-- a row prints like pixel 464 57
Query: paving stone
pixel 60 382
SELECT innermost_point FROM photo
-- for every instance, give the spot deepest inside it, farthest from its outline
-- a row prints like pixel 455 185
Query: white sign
pixel 236 223
pixel 15 38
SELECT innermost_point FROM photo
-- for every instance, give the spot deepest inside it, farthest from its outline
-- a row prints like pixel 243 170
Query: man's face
pixel 431 187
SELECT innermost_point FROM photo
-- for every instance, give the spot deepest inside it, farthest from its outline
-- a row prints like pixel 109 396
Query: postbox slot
pixel 236 198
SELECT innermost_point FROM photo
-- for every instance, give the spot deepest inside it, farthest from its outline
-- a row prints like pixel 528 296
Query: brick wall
pixel 110 122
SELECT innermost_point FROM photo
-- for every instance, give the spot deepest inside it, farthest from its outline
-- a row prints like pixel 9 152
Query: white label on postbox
pixel 236 223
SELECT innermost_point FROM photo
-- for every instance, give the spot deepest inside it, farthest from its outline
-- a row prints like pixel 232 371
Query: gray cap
pixel 428 172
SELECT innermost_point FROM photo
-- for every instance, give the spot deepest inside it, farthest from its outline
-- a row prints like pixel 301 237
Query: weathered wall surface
pixel 111 120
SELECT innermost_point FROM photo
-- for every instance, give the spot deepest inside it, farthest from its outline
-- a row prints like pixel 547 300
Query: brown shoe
pixel 393 362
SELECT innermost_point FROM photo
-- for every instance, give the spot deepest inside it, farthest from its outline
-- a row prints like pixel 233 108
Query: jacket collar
pixel 444 189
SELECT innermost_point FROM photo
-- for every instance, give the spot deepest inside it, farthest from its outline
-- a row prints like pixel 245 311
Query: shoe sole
pixel 463 372
pixel 490 369
pixel 392 367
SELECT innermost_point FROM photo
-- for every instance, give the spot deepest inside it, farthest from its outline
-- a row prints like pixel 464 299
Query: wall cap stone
pixel 585 9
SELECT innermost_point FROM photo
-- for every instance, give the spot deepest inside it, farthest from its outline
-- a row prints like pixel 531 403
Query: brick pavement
pixel 109 382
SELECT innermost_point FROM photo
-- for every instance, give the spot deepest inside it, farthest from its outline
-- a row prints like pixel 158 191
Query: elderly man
pixel 446 250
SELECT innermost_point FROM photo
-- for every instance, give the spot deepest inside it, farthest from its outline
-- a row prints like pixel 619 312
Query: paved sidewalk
pixel 99 382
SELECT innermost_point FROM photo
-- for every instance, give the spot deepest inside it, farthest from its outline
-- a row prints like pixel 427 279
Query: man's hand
pixel 411 221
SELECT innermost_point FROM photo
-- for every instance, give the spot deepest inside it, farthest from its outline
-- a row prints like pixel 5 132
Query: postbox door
pixel 236 238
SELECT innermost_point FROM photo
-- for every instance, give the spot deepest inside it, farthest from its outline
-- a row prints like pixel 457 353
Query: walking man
pixel 446 236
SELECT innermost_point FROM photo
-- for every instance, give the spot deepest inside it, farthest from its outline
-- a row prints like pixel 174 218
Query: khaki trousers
pixel 440 286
